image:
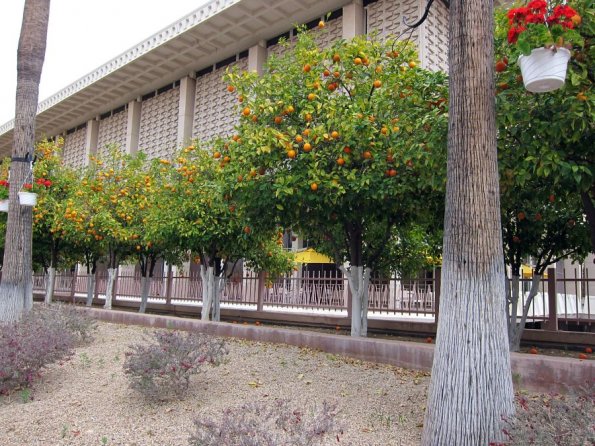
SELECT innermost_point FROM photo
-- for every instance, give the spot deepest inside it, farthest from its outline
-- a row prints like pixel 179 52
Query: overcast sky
pixel 82 35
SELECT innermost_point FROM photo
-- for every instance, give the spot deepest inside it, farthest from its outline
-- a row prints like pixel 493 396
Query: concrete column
pixel 91 139
pixel 353 19
pixel 257 55
pixel 186 110
pixel 133 126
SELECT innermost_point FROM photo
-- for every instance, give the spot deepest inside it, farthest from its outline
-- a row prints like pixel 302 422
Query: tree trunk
pixel 358 279
pixel 512 299
pixel 471 386
pixel 50 285
pixel 515 331
pixel 217 292
pixel 145 285
pixel 17 287
pixel 90 289
pixel 109 291
pixel 207 276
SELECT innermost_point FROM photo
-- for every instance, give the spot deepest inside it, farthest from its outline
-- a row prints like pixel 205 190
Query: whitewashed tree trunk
pixel 471 384
pixel 207 275
pixel 145 286
pixel 16 289
pixel 219 286
pixel 50 285
pixel 109 291
pixel 515 330
pixel 90 289
pixel 358 279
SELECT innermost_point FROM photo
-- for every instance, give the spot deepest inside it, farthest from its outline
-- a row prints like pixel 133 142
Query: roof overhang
pixel 217 30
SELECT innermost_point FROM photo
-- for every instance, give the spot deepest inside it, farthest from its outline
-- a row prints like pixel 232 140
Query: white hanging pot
pixel 3 205
pixel 27 198
pixel 544 69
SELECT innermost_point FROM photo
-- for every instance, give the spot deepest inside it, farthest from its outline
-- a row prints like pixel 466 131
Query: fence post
pixel 168 285
pixel 261 290
pixel 96 290
pixel 73 285
pixel 552 321
pixel 437 290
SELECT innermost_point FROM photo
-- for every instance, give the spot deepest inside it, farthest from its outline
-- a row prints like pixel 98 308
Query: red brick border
pixel 531 372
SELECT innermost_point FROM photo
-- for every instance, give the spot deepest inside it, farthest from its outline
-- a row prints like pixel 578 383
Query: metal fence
pixel 562 303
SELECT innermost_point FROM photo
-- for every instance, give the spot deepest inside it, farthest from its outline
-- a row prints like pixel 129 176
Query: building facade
pixel 168 89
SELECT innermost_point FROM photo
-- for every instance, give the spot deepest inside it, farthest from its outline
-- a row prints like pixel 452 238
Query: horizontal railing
pixel 562 303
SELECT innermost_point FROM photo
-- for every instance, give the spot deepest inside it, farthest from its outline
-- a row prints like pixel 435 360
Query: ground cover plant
pixel 272 424
pixel 164 366
pixel 45 335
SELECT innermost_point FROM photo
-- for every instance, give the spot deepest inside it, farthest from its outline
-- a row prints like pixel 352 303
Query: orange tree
pixel 112 190
pixel 54 184
pixel 544 222
pixel 343 144
pixel 193 209
pixel 554 131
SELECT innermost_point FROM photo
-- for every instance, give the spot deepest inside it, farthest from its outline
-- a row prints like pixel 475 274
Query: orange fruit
pixel 290 109
pixel 588 350
pixel 299 139
pixel 336 58
pixel 377 83
pixel 334 134
pixel 307 147
pixel 357 61
pixel 576 19
pixel 384 130
pixel 412 64
pixel 533 350
pixel 326 73
pixel 246 111
pixel 231 88
pixel 321 24
pixel 311 96
pixel 521 216
pixel 346 149
pixel 247 230
pixel 306 132
pixel 367 155
pixel 308 117
pixel 336 74
pixel 582 356
pixel 340 161
pixel 429 340
pixel 392 173
pixel 314 187
pixel 332 86
pixel 217 155
pixel 278 119
pixel 291 153
pixel 307 68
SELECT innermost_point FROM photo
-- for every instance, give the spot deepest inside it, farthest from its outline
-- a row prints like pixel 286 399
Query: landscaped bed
pixel 86 399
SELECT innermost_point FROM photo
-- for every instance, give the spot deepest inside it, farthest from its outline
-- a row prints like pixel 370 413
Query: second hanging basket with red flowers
pixel 543 34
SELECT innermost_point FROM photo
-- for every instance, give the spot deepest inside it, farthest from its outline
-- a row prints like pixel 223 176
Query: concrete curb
pixel 531 372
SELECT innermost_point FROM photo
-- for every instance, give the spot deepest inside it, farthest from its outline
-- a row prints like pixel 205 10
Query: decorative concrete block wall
pixel 73 152
pixel 112 130
pixel 159 124
pixel 215 113
pixel 435 38
pixel 386 17
pixel 332 32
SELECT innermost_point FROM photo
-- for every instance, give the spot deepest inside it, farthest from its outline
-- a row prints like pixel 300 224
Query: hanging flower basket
pixel 544 69
pixel 27 198
pixel 3 205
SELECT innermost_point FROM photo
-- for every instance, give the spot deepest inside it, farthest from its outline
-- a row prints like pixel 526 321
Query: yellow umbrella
pixel 311 256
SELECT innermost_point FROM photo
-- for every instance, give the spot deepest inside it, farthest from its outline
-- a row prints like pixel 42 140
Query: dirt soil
pixel 86 400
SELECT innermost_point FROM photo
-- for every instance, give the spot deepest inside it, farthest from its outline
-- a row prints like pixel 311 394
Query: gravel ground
pixel 86 400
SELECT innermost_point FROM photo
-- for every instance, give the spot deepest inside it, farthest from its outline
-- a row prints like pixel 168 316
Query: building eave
pixel 217 30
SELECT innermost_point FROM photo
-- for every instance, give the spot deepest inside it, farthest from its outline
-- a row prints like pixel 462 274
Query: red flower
pixel 47 183
pixel 27 186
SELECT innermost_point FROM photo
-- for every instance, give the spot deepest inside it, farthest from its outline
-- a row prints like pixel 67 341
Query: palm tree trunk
pixel 471 387
pixel 16 287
